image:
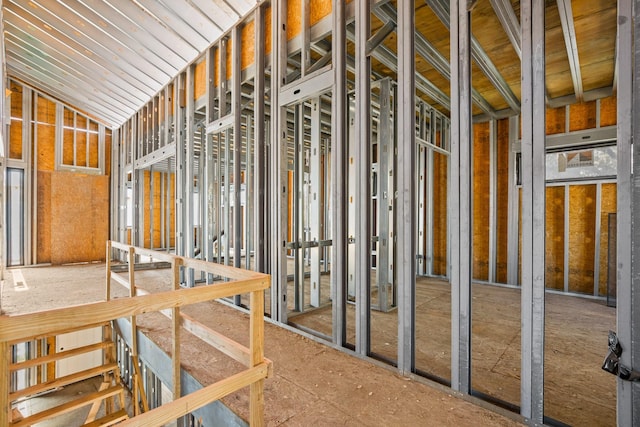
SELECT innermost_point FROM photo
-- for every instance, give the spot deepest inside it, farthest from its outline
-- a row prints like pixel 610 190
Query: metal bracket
pixel 612 361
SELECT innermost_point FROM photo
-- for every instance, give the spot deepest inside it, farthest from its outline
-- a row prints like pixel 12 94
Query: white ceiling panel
pixel 109 57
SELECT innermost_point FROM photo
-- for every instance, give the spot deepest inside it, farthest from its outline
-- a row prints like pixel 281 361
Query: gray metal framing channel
pixel 236 99
pixel 569 31
pixel 533 211
pixel 567 248
pixel 628 207
pixel 406 188
pixel 315 202
pixel 260 209
pixel 384 256
pixel 425 49
pixel 362 161
pixel 493 198
pixel 479 55
pixel 339 157
pixel 180 164
pixel 510 23
pixel 211 200
pixel 459 198
pixel 513 208
pixel 189 170
pixel 279 166
pixel 422 255
pixel 297 221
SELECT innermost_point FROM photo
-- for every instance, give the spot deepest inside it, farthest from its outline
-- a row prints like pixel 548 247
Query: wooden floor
pixel 315 384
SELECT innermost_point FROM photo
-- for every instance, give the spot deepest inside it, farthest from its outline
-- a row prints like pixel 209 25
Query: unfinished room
pixel 319 212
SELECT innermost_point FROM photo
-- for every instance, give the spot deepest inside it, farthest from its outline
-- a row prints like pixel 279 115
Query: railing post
pixel 138 387
pixel 256 348
pixel 4 383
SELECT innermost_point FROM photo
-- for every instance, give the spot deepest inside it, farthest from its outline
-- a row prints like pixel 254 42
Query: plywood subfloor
pixel 313 384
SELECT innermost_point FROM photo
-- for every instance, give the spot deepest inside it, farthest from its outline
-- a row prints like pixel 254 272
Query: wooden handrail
pixel 21 328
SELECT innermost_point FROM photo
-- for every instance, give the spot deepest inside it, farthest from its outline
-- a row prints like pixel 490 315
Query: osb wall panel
pixel 172 222
pixel 15 131
pixel 481 176
pixel 81 141
pixel 79 217
pixel 158 208
pixel 608 111
pixel 46 134
pixel 247 36
pixel 200 79
pixel 216 70
pixel 145 199
pixel 107 147
pixel 608 205
pixel 294 18
pixel 582 206
pixel 556 120
pixel 439 214
pixel 554 244
pixel 582 116
pixel 43 252
pixel 502 214
pixel 319 9
pixel 267 31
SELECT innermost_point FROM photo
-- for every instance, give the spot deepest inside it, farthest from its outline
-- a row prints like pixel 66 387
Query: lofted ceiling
pixel 109 57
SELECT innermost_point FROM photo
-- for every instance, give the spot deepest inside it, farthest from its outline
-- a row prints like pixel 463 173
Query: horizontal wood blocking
pixel 198 399
pixel 68 407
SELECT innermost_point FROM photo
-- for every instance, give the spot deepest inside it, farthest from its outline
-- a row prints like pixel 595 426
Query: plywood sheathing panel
pixel 172 223
pixel 107 153
pixel 608 205
pixel 43 252
pixel 486 28
pixel 67 137
pixel 481 174
pixel 267 31
pixel 595 26
pixel 582 214
pixel 158 208
pixel 556 120
pixel 294 18
pixel 502 196
pixel 608 111
pixel 248 52
pixel 557 72
pixel 146 197
pixel 582 116
pixel 81 141
pixel 554 242
pixel 15 131
pixel 79 217
pixel 200 79
pixel 46 134
pixel 440 214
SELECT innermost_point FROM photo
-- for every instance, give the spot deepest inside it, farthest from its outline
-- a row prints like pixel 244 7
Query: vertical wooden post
pixel 256 348
pixel 175 329
pixel 138 387
pixel 4 383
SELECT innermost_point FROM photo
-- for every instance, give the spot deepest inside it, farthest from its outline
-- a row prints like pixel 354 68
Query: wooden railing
pixel 21 328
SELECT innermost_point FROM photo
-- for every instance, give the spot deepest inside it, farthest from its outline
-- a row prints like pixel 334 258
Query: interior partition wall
pixel 306 143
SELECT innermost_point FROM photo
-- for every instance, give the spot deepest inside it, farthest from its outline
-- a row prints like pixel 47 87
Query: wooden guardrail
pixel 21 328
